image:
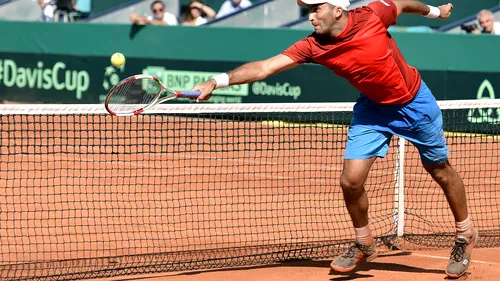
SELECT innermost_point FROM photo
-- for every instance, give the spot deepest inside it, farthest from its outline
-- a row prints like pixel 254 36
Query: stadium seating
pixel 20 10
pixel 463 9
pixel 84 6
pixel 120 14
pixel 214 4
pixel 411 23
pixel 100 6
pixel 267 14
pixel 418 29
pixel 263 13
pixel 455 27
pixel 29 10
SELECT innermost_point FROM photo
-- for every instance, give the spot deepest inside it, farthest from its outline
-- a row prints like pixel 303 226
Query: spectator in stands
pixel 197 13
pixel 48 8
pixel 160 16
pixel 231 6
pixel 64 10
pixel 487 23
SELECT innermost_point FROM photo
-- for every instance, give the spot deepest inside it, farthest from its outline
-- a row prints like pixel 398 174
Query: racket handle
pixel 189 94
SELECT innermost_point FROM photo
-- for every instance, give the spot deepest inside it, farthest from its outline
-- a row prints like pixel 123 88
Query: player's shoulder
pixel 367 9
pixel 312 38
pixel 381 8
pixel 375 5
pixel 363 12
pixel 309 41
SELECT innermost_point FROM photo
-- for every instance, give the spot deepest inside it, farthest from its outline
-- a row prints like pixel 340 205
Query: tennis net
pixel 191 186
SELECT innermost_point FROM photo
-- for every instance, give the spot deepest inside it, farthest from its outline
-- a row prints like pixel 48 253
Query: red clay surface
pixel 397 265
pixel 95 188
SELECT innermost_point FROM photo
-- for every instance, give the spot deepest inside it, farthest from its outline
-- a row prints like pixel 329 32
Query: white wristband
pixel 433 13
pixel 221 80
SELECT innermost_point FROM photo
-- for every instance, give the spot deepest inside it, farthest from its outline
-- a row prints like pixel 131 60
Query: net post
pixel 400 190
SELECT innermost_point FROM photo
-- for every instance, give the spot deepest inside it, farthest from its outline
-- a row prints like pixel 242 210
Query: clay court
pixel 397 265
pixel 213 199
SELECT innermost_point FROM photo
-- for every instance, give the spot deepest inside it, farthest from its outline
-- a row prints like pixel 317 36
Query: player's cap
pixel 344 4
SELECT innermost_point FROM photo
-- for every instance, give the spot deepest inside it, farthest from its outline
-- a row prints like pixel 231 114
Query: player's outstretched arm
pixel 246 73
pixel 419 8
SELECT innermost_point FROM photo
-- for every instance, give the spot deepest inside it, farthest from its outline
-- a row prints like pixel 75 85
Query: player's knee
pixel 441 173
pixel 351 184
pixel 440 177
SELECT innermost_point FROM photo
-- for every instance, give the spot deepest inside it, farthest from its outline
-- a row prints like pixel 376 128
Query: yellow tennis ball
pixel 117 59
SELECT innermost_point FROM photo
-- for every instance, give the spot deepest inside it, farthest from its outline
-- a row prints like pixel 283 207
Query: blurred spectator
pixel 197 13
pixel 48 8
pixel 65 5
pixel 231 6
pixel 487 23
pixel 64 9
pixel 160 16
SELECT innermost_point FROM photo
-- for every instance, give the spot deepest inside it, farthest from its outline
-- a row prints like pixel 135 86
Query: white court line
pixel 446 258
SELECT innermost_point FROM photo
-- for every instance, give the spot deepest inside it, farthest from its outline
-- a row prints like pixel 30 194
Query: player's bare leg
pixel 352 182
pixel 451 183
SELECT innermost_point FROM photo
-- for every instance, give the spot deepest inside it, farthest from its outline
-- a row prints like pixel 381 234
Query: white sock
pixel 364 235
pixel 464 229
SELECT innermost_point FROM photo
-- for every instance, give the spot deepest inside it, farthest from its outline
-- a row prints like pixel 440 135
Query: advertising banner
pixel 49 78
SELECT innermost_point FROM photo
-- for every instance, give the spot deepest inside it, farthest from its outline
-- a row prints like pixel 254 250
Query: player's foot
pixel 460 256
pixel 355 255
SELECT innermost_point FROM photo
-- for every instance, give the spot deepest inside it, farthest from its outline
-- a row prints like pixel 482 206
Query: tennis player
pixel 394 101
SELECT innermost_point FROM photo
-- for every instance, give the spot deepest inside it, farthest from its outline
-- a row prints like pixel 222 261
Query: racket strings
pixel 134 95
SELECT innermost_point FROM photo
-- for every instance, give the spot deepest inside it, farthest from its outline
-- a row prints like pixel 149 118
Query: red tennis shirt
pixel 365 54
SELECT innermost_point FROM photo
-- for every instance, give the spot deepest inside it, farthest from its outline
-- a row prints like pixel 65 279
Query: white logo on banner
pixel 484 115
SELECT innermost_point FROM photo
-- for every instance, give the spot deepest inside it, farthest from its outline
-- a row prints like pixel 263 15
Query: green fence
pixel 69 63
pixel 99 6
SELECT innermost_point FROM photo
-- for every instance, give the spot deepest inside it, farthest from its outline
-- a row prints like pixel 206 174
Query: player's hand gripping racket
pixel 139 93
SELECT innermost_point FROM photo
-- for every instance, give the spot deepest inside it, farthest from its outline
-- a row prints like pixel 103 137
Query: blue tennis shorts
pixel 419 121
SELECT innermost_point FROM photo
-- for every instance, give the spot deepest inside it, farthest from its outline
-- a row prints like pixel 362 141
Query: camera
pixel 469 27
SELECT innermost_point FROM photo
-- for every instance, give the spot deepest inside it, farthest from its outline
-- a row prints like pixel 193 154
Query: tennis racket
pixel 138 93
